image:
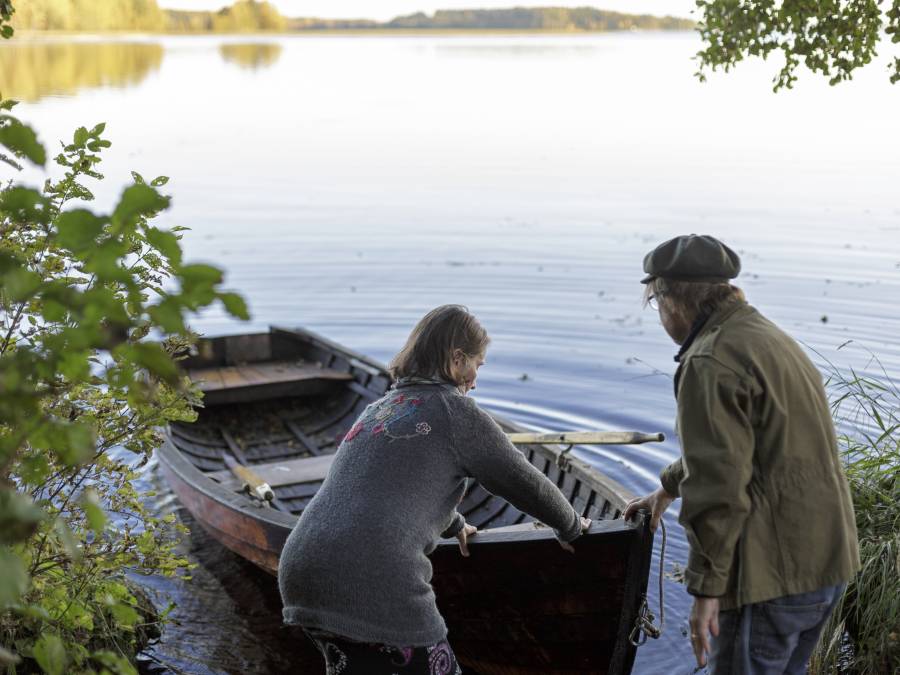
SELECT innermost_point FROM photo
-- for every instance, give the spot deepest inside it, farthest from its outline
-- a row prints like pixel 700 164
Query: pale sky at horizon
pixel 388 9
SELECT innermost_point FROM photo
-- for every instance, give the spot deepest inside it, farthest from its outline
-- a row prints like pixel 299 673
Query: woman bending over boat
pixel 354 572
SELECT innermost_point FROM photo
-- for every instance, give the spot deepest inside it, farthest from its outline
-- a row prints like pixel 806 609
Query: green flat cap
pixel 692 257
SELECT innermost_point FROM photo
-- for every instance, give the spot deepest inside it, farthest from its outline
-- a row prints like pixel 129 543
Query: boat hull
pixel 519 604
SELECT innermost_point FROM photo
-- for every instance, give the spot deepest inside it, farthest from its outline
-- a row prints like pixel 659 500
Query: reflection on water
pixel 250 55
pixel 29 71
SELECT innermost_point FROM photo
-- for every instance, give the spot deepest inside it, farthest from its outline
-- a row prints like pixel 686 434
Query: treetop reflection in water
pixel 32 70
pixel 251 55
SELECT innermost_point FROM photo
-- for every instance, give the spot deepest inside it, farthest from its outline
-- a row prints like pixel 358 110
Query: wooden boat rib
pixel 280 403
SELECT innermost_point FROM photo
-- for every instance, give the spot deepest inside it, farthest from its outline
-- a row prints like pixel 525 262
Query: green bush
pixel 83 392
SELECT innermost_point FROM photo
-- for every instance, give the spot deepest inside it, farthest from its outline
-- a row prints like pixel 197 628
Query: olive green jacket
pixel 765 503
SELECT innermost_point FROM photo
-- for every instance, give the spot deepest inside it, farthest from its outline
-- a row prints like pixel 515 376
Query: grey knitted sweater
pixel 356 562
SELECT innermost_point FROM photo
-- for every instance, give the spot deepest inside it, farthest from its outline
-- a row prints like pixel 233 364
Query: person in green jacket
pixel 765 504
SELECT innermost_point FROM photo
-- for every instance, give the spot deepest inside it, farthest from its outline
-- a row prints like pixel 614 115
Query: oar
pixel 252 482
pixel 586 438
pixel 237 463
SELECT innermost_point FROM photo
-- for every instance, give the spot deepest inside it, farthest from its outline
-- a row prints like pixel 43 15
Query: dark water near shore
pixel 351 184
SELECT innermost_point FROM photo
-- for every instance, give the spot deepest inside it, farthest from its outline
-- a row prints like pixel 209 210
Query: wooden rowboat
pixel 279 403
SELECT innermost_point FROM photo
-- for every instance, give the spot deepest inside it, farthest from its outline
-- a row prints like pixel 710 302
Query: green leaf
pixel 137 201
pixel 7 32
pixel 33 469
pixel 98 129
pixel 104 262
pixel 166 243
pixel 96 516
pixel 13 578
pixel 68 540
pixel 155 359
pixel 22 140
pixel 50 654
pixel 77 616
pixel 79 229
pixel 24 205
pixel 200 274
pixel 19 517
pixel 74 366
pixel 124 614
pixel 138 178
pixel 80 137
pixel 115 663
pixel 235 305
pixel 159 181
pixel 21 284
pixel 167 315
pixel 34 612
pixel 81 444
pixel 72 442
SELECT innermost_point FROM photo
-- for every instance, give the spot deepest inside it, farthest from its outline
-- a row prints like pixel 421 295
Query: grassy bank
pixel 863 636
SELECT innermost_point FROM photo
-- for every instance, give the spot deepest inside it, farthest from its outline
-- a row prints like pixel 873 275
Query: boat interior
pixel 281 402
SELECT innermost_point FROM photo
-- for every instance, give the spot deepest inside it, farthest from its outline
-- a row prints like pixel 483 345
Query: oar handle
pixel 254 484
pixel 587 438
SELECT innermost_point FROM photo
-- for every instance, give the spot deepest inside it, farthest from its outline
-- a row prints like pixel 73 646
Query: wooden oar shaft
pixel 587 438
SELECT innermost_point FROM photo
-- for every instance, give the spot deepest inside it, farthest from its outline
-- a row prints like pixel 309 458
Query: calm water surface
pixel 350 184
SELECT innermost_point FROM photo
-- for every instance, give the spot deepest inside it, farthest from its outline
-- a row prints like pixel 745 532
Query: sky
pixel 388 9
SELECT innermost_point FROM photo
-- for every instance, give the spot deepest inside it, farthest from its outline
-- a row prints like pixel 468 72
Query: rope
pixel 643 624
pixel 662 562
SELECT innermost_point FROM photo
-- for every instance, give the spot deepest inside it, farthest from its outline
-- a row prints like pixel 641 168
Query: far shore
pixel 380 32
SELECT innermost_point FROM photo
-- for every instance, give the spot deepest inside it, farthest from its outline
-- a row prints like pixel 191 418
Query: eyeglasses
pixel 652 301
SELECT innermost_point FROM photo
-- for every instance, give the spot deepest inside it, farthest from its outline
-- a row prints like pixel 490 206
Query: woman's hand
pixel 585 525
pixel 656 503
pixel 463 535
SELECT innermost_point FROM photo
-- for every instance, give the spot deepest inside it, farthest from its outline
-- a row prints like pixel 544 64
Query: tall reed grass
pixel 863 635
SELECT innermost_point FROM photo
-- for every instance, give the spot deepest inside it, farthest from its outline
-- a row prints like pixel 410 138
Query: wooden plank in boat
pixel 276 474
pixel 256 381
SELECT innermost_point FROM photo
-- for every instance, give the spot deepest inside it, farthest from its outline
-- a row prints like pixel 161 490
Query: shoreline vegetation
pixel 253 16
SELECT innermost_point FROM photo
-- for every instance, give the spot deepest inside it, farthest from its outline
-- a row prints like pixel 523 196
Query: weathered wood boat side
pixel 280 403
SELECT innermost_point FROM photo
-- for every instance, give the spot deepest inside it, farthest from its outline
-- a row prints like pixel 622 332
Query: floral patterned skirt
pixel 348 657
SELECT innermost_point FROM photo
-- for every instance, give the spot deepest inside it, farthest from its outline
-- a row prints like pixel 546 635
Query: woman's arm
pixel 485 453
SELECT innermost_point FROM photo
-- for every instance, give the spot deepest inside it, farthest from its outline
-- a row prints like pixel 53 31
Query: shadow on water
pixel 32 71
pixel 227 617
pixel 251 55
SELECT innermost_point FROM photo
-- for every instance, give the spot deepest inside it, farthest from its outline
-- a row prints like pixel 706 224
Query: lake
pixel 349 184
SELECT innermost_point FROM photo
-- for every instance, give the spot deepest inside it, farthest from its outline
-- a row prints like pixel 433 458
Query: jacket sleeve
pixel 485 453
pixel 671 476
pixel 717 439
pixel 457 522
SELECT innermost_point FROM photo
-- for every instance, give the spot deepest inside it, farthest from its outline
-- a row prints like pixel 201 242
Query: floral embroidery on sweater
pixel 386 417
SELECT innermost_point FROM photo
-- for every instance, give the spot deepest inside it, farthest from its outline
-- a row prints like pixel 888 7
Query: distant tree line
pixel 144 15
pixel 255 15
pixel 242 17
pixel 539 18
pixel 89 15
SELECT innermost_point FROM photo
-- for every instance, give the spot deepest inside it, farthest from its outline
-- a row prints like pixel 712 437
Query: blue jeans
pixel 775 637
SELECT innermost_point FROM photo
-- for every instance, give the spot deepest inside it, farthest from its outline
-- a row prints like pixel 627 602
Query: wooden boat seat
pixel 277 474
pixel 259 381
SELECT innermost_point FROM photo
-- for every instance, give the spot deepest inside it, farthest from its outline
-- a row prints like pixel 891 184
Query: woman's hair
pixel 428 351
pixel 692 298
